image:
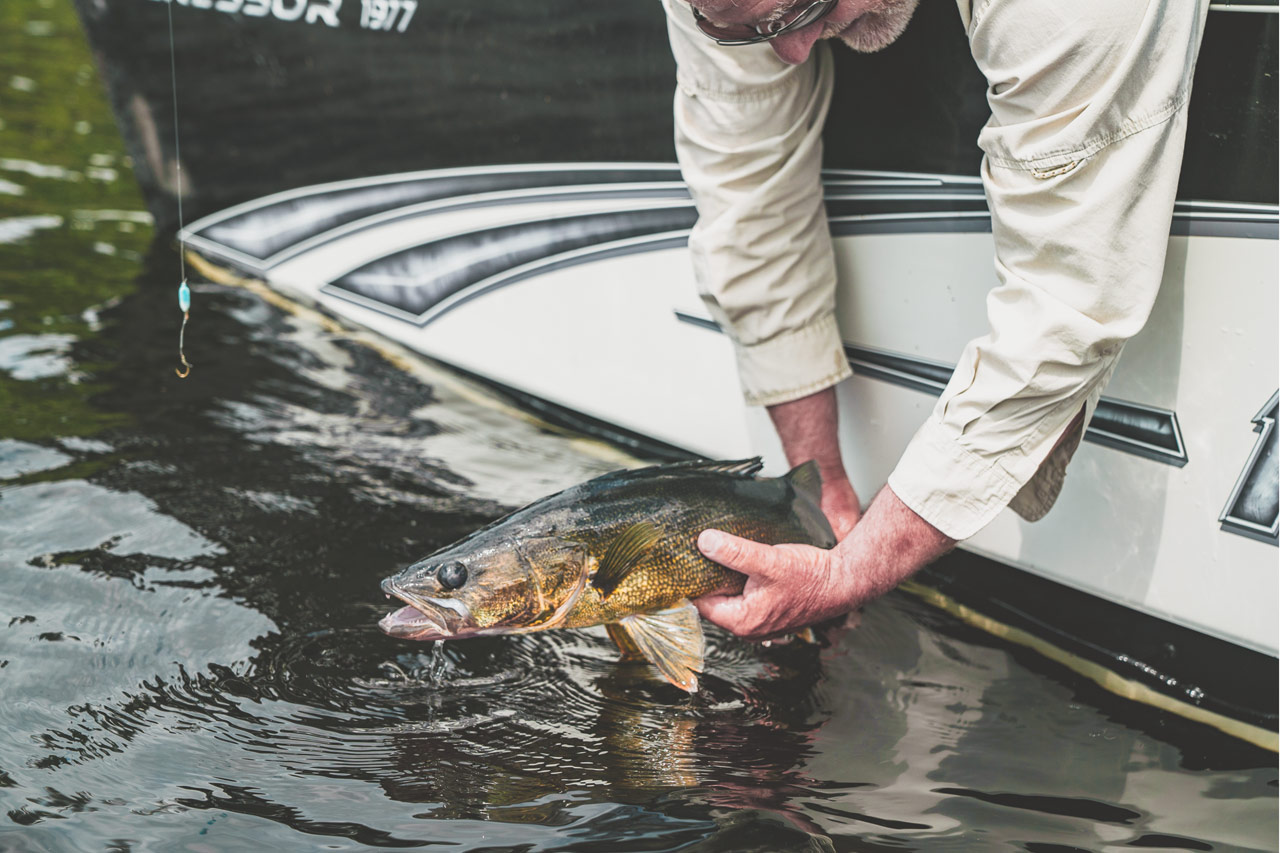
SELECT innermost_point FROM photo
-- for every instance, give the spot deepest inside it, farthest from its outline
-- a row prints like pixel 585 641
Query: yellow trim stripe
pixel 1105 678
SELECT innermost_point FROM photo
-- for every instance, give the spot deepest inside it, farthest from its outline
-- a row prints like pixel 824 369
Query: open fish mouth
pixel 425 618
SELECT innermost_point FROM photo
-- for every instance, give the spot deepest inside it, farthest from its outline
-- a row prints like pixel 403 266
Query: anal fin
pixel 671 640
pixel 622 639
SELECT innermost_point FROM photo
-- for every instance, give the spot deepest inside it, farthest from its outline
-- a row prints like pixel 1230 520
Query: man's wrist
pixel 890 544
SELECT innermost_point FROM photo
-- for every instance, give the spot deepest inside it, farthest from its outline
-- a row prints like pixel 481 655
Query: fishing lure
pixel 184 302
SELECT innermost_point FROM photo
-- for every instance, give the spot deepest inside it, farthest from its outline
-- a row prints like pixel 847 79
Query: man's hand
pixel 790 587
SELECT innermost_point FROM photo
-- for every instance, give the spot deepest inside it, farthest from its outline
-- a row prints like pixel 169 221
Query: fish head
pixel 494 585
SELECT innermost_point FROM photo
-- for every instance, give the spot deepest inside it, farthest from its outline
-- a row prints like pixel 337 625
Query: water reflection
pixel 197 651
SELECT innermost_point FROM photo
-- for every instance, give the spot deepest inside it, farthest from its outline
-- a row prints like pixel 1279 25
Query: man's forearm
pixel 809 429
pixel 890 543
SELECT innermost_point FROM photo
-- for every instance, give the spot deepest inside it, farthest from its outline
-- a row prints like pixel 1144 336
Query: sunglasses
pixel 792 20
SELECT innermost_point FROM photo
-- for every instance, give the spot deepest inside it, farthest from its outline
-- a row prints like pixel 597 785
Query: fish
pixel 618 550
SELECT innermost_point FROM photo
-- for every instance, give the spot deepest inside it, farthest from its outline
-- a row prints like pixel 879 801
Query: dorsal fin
pixel 624 552
pixel 672 641
pixel 741 467
pixel 738 467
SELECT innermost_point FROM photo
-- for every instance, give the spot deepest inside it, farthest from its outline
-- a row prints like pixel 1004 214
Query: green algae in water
pixel 73 226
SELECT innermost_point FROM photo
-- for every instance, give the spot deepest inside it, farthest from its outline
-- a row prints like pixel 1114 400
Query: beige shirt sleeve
pixel 1082 156
pixel 749 141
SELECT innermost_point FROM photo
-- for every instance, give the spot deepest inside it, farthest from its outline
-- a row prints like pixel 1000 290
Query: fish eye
pixel 452 575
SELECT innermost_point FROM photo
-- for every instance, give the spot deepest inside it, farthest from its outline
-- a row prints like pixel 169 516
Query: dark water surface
pixel 189 590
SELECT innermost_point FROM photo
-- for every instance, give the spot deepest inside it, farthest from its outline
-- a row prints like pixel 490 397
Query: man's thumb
pixel 733 552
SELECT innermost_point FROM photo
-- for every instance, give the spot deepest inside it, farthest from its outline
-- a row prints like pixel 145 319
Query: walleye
pixel 619 550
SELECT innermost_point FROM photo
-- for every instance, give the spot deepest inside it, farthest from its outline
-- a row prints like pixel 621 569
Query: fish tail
pixel 806 480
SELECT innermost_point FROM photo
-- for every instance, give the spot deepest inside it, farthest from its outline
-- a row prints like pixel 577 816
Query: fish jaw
pixel 425 618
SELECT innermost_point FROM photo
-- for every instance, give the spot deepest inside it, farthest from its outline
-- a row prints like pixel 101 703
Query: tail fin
pixel 806 480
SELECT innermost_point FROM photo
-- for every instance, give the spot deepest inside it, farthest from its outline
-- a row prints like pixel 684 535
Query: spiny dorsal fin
pixel 738 467
pixel 807 480
pixel 623 554
pixel 672 641
pixel 741 467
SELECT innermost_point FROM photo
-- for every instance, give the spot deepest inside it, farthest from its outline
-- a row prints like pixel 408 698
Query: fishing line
pixel 184 292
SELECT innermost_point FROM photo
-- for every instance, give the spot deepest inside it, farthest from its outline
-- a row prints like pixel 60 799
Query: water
pixel 189 590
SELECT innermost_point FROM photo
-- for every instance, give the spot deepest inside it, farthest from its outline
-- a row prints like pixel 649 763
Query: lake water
pixel 189 657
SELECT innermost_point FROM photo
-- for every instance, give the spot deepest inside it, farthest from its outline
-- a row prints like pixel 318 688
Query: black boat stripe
pixel 886 222
pixel 464 288
pixel 350 202
pixel 421 277
pixel 637 245
pixel 853 201
pixel 1119 424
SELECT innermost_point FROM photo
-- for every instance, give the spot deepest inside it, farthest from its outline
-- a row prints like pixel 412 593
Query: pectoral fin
pixel 671 640
pixel 624 553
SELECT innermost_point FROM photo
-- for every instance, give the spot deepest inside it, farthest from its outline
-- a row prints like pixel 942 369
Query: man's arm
pixel 791 586
pixel 1082 164
pixel 748 135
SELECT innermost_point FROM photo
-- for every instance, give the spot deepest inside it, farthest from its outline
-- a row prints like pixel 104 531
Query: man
pixel 1081 160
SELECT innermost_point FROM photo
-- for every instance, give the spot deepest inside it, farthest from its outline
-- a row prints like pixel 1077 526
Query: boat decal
pixel 1253 509
pixel 473 264
pixel 259 235
pixel 533 269
pixel 303 11
pixel 375 15
pixel 254 233
pixel 1135 428
pixel 417 279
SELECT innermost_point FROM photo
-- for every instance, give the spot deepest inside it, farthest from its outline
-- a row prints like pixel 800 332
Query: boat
pixel 566 284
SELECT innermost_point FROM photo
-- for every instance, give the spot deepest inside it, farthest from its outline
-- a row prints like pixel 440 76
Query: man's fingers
pixel 723 610
pixel 733 552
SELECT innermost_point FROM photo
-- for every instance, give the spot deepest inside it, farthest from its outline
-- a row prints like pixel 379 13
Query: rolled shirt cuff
pixel 792 364
pixel 951 487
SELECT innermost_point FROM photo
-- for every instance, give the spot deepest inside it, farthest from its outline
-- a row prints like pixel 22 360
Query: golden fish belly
pixel 660 583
